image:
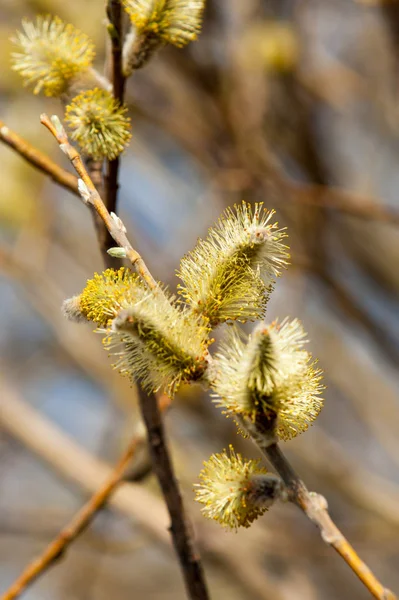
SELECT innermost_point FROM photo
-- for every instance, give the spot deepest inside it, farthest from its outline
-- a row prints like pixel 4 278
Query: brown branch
pixel 92 198
pixel 56 549
pixel 345 202
pixel 115 16
pixel 316 508
pixel 38 159
pixel 105 241
pixel 179 528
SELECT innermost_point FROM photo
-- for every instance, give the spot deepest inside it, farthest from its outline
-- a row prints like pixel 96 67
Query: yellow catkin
pixel 99 124
pixel 176 22
pixel 234 492
pixel 50 54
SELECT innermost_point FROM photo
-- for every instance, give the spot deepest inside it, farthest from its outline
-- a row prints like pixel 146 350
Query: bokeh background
pixel 293 103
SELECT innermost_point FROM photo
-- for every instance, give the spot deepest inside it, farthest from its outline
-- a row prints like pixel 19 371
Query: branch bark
pixel 92 198
pixel 316 509
pixel 105 241
pixel 115 16
pixel 179 528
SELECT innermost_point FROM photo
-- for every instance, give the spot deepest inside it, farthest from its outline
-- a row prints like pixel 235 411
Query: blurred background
pixel 291 103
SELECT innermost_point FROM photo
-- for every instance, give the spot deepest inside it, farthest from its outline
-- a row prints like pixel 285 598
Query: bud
pixel 72 310
pixel 117 252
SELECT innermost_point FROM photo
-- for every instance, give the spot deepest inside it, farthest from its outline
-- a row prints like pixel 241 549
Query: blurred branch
pixel 316 508
pixel 92 198
pixel 365 488
pixel 38 159
pixel 163 469
pixel 361 383
pixel 347 203
pixel 73 462
pixel 46 298
pixel 77 525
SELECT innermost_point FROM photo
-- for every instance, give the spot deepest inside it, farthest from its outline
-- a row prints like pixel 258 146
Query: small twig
pixel 115 16
pixel 105 241
pixel 92 198
pixel 316 508
pixel 162 467
pixel 75 527
pixel 38 159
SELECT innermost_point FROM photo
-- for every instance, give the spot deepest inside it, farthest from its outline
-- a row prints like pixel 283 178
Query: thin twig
pixel 56 549
pixel 115 16
pixel 92 198
pixel 38 159
pixel 316 508
pixel 105 241
pixel 163 469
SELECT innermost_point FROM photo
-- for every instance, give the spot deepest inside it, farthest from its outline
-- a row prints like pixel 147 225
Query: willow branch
pixel 115 16
pixel 38 159
pixel 316 509
pixel 105 241
pixel 163 469
pixel 56 549
pixel 92 198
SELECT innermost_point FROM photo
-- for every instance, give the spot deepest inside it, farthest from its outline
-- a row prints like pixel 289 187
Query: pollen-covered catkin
pixel 104 296
pixel 159 22
pixel 159 343
pixel 229 275
pixel 153 339
pixel 99 124
pixel 235 491
pixel 269 378
pixel 51 54
pixel 175 22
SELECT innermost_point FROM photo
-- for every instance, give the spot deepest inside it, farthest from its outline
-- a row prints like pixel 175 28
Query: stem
pixel 105 241
pixel 316 508
pixel 56 549
pixel 115 16
pixel 92 198
pixel 180 530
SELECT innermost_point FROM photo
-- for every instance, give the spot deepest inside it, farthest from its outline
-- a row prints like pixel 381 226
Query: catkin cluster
pixel 56 59
pixel 267 381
